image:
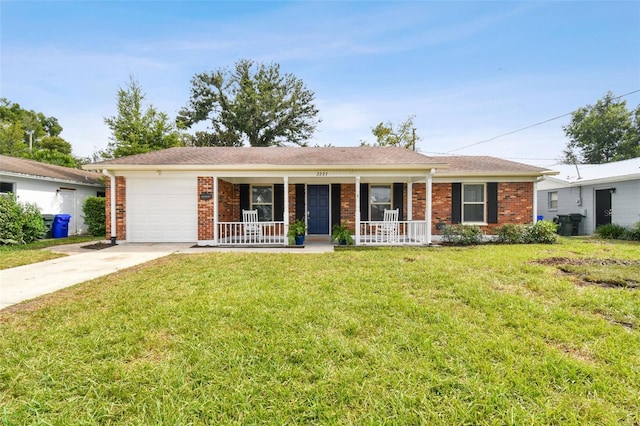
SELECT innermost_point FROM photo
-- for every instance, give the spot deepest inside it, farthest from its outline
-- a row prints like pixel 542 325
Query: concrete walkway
pixel 30 281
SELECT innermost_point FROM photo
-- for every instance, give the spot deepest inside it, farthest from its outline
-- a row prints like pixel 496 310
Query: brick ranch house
pixel 198 194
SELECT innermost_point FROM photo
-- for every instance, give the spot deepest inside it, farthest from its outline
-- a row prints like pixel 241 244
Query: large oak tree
pixel 251 103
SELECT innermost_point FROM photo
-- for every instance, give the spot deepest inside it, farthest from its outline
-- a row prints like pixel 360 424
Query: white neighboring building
pixel 54 189
pixel 602 193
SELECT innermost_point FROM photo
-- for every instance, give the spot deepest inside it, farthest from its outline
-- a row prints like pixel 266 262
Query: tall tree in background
pixel 25 133
pixel 604 132
pixel 135 131
pixel 252 103
pixel 403 135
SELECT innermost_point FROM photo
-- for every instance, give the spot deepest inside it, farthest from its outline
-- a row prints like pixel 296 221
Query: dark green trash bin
pixel 48 222
pixel 566 226
pixel 576 218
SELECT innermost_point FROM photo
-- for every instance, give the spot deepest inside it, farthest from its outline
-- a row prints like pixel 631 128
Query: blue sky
pixel 468 71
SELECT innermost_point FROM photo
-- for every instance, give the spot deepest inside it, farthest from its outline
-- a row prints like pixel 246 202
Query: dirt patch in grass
pixel 607 273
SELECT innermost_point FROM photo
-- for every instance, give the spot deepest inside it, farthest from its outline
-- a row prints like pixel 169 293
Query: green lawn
pixel 25 254
pixel 479 335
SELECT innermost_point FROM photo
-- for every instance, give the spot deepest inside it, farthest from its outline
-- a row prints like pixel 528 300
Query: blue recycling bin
pixel 60 226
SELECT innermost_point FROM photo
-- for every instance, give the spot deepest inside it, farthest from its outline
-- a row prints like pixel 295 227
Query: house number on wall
pixel 320 174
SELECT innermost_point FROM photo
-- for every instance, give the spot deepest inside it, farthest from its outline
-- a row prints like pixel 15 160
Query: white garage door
pixel 162 210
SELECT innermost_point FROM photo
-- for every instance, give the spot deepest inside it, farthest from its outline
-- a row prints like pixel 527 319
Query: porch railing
pixel 235 233
pixel 413 232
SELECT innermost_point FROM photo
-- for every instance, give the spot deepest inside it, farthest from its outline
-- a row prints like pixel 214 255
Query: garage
pixel 161 209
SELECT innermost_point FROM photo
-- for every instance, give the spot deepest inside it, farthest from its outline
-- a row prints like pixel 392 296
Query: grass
pixel 25 254
pixel 479 335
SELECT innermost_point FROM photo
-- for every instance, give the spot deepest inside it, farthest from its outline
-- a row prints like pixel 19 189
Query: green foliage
pixel 541 232
pixel 20 223
pixel 611 231
pixel 341 234
pixel 135 131
pixel 252 103
pixel 95 215
pixel 404 136
pixel 604 132
pixel 510 233
pixel 296 229
pixel 462 234
pixel 618 232
pixel 20 128
pixel 633 234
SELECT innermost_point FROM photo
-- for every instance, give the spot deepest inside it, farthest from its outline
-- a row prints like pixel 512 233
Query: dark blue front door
pixel 318 209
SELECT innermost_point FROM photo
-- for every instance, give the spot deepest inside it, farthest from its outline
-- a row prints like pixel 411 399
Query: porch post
pixel 535 201
pixel 215 210
pixel 286 209
pixel 428 213
pixel 357 242
pixel 410 200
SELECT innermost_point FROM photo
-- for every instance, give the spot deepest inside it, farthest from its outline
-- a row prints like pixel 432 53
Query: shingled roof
pixel 276 156
pixel 482 165
pixel 330 157
pixel 30 168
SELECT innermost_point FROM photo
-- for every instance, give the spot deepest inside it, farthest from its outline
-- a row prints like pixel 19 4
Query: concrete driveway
pixel 30 281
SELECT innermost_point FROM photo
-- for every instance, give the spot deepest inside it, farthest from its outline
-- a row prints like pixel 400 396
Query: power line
pixel 532 125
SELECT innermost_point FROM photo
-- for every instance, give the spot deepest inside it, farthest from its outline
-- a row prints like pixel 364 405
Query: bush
pixel 611 231
pixel 633 234
pixel 462 234
pixel 541 232
pixel 509 234
pixel 95 216
pixel 20 223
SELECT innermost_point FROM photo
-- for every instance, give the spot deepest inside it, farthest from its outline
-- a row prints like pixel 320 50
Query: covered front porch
pixel 321 199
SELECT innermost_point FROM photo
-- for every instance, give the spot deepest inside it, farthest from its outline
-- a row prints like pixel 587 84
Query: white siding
pixel 625 203
pixel 161 209
pixel 46 195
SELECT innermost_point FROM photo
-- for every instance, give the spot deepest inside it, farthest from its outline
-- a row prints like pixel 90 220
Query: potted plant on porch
pixel 296 232
pixel 341 234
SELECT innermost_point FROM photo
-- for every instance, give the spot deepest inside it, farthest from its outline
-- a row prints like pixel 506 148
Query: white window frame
pixel 262 204
pixel 551 200
pixel 483 203
pixel 371 202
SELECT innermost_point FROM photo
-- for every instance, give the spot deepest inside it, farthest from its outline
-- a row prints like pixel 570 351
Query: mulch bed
pixel 97 246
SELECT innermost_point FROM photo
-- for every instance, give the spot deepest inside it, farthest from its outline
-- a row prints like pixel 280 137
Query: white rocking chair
pixel 387 231
pixel 252 228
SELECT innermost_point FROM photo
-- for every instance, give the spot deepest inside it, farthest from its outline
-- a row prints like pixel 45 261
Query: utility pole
pixel 30 133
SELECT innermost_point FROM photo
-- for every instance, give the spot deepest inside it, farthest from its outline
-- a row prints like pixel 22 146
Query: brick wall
pixel 348 205
pixel 205 209
pixel 121 208
pixel 515 203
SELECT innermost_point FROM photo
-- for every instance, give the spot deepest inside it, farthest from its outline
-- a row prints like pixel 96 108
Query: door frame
pixel 306 200
pixel 595 204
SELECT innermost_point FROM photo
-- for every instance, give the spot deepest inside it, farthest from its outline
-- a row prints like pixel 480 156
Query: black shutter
pixel 300 201
pixel 492 202
pixel 456 202
pixel 398 195
pixel 278 202
pixel 335 204
pixel 364 202
pixel 245 198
